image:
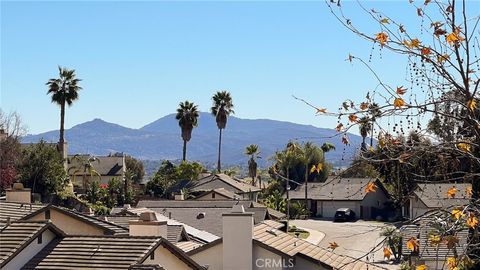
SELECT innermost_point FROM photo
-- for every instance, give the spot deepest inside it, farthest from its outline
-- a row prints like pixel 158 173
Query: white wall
pixel 264 259
pixel 212 256
pixel 29 251
pixel 417 208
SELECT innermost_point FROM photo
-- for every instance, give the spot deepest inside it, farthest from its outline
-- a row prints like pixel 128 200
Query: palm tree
pixel 187 116
pixel 252 151
pixel 64 91
pixel 365 126
pixel 222 107
pixel 375 112
pixel 84 164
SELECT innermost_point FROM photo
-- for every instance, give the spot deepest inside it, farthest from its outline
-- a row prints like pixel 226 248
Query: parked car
pixel 344 214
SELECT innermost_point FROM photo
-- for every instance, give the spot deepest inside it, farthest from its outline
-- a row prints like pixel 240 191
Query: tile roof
pixel 110 228
pixel 275 240
pixel 105 166
pixel 17 235
pixel 188 246
pixel 15 211
pixel 101 252
pixel 335 188
pixel 435 195
pixel 237 185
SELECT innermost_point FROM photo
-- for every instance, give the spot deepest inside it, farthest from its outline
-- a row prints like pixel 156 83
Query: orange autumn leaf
pixel 454 37
pixel 452 263
pixel 333 245
pixel 451 241
pixel 464 147
pixel 363 105
pixel 425 51
pixel 413 244
pixel 371 187
pixel 387 253
pixel 472 221
pixel 414 43
pixel 421 267
pixel 443 58
pixel 451 192
pixel 321 110
pixel 353 118
pixel 382 38
pixel 339 127
pixel 398 103
pixel 401 90
pixel 472 104
pixel 457 214
pixel 469 192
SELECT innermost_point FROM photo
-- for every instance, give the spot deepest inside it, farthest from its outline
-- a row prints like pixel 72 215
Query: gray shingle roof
pixel 105 166
pixel 240 187
pixel 17 235
pixel 221 191
pixel 335 188
pixel 16 211
pixel 435 195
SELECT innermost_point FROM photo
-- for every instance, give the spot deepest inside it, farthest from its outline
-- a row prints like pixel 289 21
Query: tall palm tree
pixel 365 126
pixel 64 91
pixel 187 116
pixel 252 151
pixel 375 113
pixel 222 107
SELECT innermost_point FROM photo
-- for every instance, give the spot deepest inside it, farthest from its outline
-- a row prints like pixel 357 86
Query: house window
pixel 152 256
pixel 47 214
pixel 40 238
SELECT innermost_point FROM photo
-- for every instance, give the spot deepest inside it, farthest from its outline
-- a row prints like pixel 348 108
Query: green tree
pixel 222 108
pixel 64 91
pixel 365 127
pixel 253 151
pixel 276 201
pixel 41 168
pixel 187 116
pixel 135 169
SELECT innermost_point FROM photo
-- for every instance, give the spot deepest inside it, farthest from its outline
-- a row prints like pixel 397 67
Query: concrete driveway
pixel 355 239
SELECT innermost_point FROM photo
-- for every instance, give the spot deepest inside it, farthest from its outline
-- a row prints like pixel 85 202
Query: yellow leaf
pixel 371 148
pixel 333 245
pixel 387 253
pixel 382 38
pixel 371 187
pixel 313 169
pixel 464 147
pixel 472 221
pixel 421 267
pixel 413 43
pixel 352 118
pixel 469 192
pixel 472 104
pixel 401 90
pixel 384 21
pixel 319 167
pixel 443 58
pixel 452 263
pixel 434 239
pixel 398 103
pixel 413 244
pixel 454 38
pixel 457 214
pixel 451 192
pixel 321 110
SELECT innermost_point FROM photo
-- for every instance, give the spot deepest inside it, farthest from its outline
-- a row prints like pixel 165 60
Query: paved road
pixel 355 239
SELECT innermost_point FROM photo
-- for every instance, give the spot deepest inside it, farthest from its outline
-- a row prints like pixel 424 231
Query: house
pixel 84 168
pixel 245 246
pixel 325 198
pixel 217 194
pixel 431 196
pixel 217 181
pixel 432 256
pixel 206 215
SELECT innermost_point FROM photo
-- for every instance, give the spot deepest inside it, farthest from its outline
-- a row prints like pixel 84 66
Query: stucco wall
pixel 303 264
pixel 209 197
pixel 264 259
pixel 212 256
pixel 68 224
pixel 167 260
pixel 30 251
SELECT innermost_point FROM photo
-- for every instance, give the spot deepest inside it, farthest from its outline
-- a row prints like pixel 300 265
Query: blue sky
pixel 138 60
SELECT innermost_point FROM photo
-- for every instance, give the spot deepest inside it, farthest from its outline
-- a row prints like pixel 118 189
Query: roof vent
pixel 148 216
pixel 201 215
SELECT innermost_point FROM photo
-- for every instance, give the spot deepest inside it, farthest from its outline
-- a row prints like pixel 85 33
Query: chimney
pixel 180 196
pixel 237 239
pixel 19 194
pixel 148 225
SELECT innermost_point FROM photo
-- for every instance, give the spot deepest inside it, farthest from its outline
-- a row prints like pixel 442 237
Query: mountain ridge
pixel 160 139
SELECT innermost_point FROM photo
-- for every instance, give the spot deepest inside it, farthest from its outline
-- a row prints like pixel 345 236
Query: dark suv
pixel 344 214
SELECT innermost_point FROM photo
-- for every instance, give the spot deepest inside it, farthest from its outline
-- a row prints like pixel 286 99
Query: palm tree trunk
pixel 306 191
pixel 62 125
pixel 219 151
pixel 371 136
pixel 184 150
pixel 288 199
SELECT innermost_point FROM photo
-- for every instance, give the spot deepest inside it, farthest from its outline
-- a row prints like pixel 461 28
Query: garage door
pixel 330 207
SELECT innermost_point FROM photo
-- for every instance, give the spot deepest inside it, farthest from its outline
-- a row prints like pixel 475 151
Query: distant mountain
pixel 161 139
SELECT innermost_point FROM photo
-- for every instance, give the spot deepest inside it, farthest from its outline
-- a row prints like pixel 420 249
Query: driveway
pixel 355 239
